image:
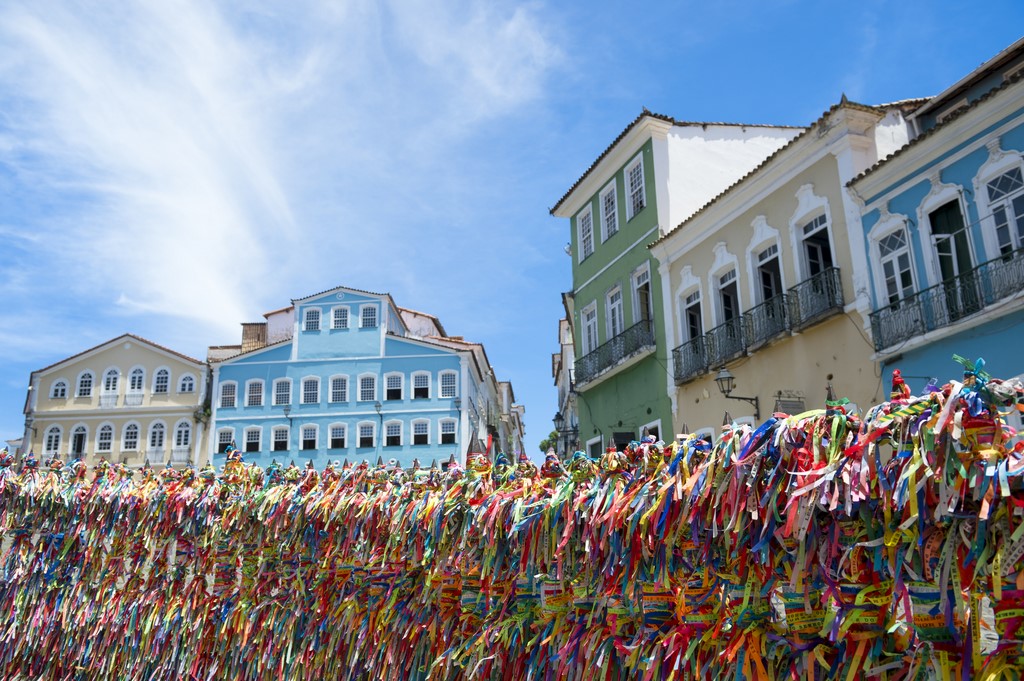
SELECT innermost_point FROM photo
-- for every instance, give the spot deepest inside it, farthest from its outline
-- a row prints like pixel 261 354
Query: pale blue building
pixel 944 231
pixel 346 374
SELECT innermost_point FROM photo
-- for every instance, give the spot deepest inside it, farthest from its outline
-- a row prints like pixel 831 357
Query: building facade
pixel 762 283
pixel 944 221
pixel 128 400
pixel 346 374
pixel 657 172
pixel 567 419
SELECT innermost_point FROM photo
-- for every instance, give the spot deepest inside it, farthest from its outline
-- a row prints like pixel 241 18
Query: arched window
pixel 136 379
pixel 110 381
pixel 161 382
pixel 59 390
pixel 130 438
pixel 78 438
pixel 157 436
pixel 51 443
pixel 183 434
pixel 104 438
pixel 85 384
pixel 187 384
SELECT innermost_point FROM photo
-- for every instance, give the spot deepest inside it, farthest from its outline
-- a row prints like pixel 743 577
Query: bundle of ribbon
pixel 818 545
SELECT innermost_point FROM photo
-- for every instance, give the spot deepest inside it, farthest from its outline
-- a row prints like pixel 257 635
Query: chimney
pixel 254 336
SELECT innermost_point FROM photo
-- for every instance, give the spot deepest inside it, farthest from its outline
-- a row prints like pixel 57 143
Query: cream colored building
pixel 128 400
pixel 768 280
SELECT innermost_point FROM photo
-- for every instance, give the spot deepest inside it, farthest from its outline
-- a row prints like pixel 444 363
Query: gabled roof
pixel 437 321
pixel 117 340
pixel 645 114
pixel 954 116
pixel 336 288
pixel 843 103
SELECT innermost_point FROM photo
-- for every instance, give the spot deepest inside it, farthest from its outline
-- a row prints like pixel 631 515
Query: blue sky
pixel 172 168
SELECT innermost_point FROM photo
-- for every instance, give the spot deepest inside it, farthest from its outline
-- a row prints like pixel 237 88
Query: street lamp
pixel 726 382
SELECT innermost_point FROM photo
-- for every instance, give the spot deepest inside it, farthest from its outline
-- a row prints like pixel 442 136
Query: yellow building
pixel 767 283
pixel 128 400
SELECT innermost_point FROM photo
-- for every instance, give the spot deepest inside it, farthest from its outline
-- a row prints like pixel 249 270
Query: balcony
pixel 155 457
pixel 180 455
pixel 108 401
pixel 132 399
pixel 813 300
pixel 805 304
pixel 766 321
pixel 948 302
pixel 630 342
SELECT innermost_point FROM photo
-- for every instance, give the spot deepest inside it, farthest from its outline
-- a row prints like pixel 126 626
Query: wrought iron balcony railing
pixel 108 400
pixel 180 455
pixel 155 457
pixel 690 360
pixel 631 341
pixel 766 321
pixel 132 399
pixel 949 301
pixel 724 342
pixel 812 300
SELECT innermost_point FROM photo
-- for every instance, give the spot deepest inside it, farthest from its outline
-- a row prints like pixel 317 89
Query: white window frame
pixel 719 286
pixel 59 386
pixel 401 385
pixel 642 271
pixel 359 387
pixel 220 395
pixel 156 379
pixel 440 431
pixel 809 207
pixel 614 313
pixel 182 426
pixel 687 298
pixel 609 190
pixel 108 427
pixel 92 383
pixel 440 384
pixel 388 425
pixel 359 435
pixel 221 431
pixel 248 393
pixel 330 435
pixel 130 388
pixel 302 437
pixel 108 374
pixel 310 316
pixel 274 432
pixel 412 431
pixel 84 429
pixel 599 440
pixel 181 383
pixel 938 196
pixel 656 423
pixel 335 325
pixel 363 309
pixel 279 382
pixel 999 163
pixel 589 328
pixel 876 237
pixel 259 439
pixel 631 211
pixel 330 391
pixel 153 428
pixel 305 381
pixel 125 443
pixel 53 435
pixel 586 245
pixel 420 374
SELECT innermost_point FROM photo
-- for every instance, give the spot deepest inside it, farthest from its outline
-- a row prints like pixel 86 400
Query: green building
pixel 656 173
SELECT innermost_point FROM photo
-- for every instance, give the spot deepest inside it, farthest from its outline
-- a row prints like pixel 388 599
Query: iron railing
pixel 132 399
pixel 812 300
pixel 629 342
pixel 108 400
pixel 949 301
pixel 766 321
pixel 155 457
pixel 690 359
pixel 724 342
pixel 180 454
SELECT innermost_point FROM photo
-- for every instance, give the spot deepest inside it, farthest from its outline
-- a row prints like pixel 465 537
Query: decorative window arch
pixel 228 394
pixel 79 437
pixel 84 384
pixel 254 392
pixel 282 391
pixel 187 383
pixel 311 319
pixel 719 278
pixel 136 379
pixel 182 434
pixel 339 317
pixel 130 437
pixel 59 389
pixel 689 293
pixel 51 440
pixel 111 379
pixel 893 272
pixel 157 438
pixel 813 214
pixel 105 438
pixel 161 381
pixel 939 196
pixel 762 240
pixel 368 317
pixel 999 195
